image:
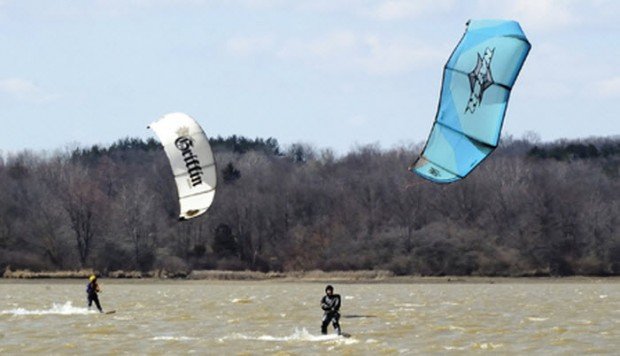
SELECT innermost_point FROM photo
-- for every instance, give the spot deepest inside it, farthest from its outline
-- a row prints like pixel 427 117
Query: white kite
pixel 192 162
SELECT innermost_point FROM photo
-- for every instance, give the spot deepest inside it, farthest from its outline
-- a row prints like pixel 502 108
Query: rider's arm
pixel 324 305
pixel 337 303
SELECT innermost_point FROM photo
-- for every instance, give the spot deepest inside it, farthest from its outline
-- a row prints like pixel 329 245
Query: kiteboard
pixel 347 335
pixel 110 312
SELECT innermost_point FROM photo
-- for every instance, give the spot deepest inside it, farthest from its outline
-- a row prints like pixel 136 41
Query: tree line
pixel 530 209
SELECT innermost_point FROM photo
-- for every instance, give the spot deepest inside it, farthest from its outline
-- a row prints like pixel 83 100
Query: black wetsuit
pixel 330 306
pixel 91 291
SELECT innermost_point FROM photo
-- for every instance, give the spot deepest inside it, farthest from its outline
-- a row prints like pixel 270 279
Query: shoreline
pixel 369 276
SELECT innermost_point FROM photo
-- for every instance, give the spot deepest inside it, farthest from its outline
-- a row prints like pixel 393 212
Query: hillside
pixel 530 209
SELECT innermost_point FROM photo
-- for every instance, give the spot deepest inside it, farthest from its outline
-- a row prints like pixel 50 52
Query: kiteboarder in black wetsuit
pixel 91 291
pixel 330 303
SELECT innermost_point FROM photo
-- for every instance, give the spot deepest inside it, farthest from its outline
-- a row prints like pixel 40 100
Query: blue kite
pixel 476 84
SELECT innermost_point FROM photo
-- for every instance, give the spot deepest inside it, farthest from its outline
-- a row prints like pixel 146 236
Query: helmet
pixel 329 287
pixel 92 277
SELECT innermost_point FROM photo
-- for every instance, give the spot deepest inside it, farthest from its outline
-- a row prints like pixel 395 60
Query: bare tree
pixel 83 201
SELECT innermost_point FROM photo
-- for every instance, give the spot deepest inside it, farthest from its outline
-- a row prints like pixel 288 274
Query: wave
pixel 175 338
pixel 475 346
pixel 242 300
pixel 57 309
pixel 297 335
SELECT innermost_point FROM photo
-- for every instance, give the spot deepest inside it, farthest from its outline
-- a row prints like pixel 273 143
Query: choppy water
pixel 207 317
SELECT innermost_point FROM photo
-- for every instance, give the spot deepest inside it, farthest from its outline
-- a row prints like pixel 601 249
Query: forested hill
pixel 530 209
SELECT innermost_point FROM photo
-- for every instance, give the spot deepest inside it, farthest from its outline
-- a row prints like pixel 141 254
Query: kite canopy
pixel 477 81
pixel 192 162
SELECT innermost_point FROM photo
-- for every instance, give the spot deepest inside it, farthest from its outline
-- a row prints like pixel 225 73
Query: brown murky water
pixel 209 317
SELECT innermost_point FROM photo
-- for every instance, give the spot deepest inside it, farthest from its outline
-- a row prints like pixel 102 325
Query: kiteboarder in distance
pixel 92 288
pixel 330 303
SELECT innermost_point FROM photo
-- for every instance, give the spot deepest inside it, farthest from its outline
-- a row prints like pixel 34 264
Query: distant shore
pixel 367 276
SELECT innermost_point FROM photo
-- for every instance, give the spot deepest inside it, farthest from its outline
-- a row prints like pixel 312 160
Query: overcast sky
pixel 326 72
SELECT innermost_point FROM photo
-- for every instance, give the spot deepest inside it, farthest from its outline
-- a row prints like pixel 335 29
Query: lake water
pixel 244 318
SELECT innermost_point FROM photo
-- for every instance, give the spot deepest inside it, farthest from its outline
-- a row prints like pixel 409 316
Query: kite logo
pixel 185 144
pixel 480 79
pixel 434 172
